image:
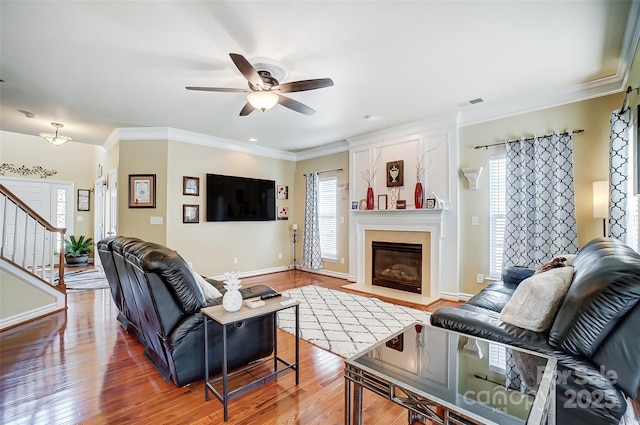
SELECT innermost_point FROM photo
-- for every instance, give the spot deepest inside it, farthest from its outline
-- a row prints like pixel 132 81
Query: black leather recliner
pixel 595 335
pixel 159 302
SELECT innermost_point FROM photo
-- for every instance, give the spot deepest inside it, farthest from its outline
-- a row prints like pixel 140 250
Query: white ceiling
pixel 99 65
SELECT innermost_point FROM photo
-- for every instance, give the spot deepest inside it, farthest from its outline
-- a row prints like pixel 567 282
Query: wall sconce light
pixel 601 203
pixel 472 174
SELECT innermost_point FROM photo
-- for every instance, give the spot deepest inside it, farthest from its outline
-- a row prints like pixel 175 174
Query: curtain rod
pixel 528 139
pixel 327 171
pixel 626 97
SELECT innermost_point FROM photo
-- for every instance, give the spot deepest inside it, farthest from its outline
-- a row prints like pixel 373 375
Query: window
pixel 497 358
pixel 61 212
pixel 327 217
pixel 497 212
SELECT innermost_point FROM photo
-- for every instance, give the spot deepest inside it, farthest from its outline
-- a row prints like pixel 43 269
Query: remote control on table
pixel 266 297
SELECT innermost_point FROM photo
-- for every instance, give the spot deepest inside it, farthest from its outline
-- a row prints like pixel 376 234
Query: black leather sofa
pixel 159 302
pixel 595 335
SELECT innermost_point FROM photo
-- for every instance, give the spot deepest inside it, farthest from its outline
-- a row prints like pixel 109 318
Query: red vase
pixel 418 196
pixel 370 198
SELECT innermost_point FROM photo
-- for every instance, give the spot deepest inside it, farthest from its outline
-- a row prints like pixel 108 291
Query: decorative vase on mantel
pixel 418 196
pixel 369 198
pixel 232 299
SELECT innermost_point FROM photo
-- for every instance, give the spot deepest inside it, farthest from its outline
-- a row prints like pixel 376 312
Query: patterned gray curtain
pixel 513 378
pixel 540 216
pixel 311 254
pixel 618 174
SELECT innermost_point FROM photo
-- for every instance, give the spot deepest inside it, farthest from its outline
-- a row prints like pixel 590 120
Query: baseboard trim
pixel 329 273
pixel 252 273
pixel 29 316
pixel 451 296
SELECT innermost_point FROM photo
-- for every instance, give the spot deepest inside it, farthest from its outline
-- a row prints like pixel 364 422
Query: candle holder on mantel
pixel 294 237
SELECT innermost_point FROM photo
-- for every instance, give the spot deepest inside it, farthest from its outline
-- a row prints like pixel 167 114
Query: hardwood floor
pixel 81 367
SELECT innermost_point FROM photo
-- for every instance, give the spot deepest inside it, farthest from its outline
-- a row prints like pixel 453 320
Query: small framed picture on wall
pixel 190 213
pixel 83 199
pixel 142 190
pixel 395 173
pixel 283 213
pixel 191 186
pixel 283 192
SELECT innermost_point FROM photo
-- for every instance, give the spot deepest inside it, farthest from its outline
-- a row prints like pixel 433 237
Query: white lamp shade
pixel 601 199
pixel 262 100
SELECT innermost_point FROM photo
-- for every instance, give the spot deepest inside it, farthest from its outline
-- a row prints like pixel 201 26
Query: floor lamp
pixel 601 203
pixel 294 263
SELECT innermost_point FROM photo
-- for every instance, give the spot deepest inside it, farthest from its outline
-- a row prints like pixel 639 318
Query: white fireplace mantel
pixel 409 220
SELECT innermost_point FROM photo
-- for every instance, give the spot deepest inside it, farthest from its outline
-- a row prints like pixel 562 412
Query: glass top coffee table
pixel 446 377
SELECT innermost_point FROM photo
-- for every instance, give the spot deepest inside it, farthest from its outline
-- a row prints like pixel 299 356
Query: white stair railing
pixel 29 241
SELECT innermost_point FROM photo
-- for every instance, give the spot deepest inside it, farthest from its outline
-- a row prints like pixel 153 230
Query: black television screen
pixel 231 198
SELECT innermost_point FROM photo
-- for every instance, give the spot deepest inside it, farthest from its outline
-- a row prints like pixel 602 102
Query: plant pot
pixel 370 198
pixel 80 260
pixel 418 196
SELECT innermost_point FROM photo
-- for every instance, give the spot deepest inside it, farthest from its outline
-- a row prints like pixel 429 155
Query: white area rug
pixel 343 323
pixel 86 280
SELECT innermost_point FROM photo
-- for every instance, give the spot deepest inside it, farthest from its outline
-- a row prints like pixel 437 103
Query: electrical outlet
pixel 279 256
pixel 235 260
pixel 341 260
pixel 479 278
pixel 474 220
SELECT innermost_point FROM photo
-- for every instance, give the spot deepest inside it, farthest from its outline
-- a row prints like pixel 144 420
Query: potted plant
pixel 76 251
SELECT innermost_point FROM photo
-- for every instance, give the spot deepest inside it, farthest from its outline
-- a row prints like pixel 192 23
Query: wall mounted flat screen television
pixel 230 198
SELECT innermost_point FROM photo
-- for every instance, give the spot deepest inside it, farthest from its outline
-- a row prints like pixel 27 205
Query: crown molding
pixel 174 134
pixel 430 127
pixel 324 150
pixel 602 87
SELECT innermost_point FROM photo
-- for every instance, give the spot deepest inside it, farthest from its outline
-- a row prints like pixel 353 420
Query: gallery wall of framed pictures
pixel 190 187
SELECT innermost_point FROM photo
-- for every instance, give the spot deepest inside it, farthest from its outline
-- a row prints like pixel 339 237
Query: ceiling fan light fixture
pixel 262 100
pixel 55 139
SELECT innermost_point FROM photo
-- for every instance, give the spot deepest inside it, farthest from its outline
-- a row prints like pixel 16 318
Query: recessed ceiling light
pixel 478 100
pixel 253 139
pixel 369 117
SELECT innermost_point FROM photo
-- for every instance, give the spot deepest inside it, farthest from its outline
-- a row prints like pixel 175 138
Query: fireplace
pixel 397 266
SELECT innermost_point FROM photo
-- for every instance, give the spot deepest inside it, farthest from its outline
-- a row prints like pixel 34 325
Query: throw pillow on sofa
pixel 208 290
pixel 536 301
pixel 516 274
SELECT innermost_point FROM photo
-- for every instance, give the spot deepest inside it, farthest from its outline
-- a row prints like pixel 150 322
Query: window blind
pixel 497 212
pixel 327 217
pixel 497 358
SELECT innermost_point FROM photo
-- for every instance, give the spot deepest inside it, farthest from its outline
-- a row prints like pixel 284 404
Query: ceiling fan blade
pixel 247 70
pixel 247 110
pixel 295 105
pixel 223 89
pixel 304 85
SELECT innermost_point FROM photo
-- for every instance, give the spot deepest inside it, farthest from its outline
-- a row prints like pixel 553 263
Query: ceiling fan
pixel 264 89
